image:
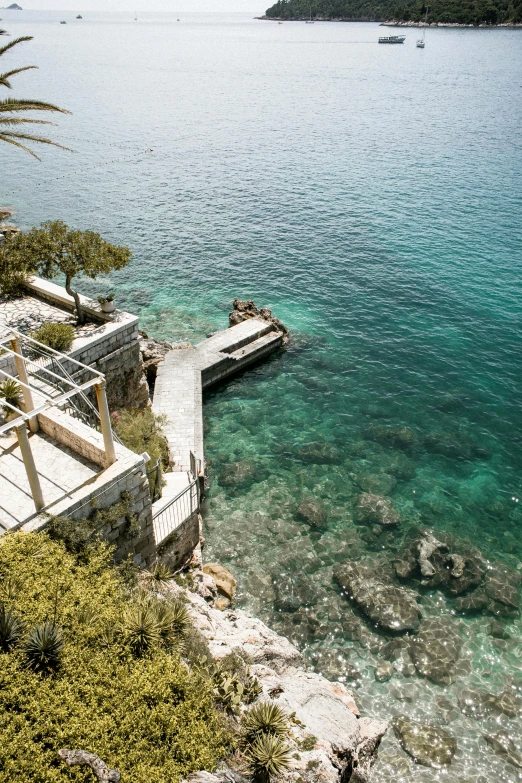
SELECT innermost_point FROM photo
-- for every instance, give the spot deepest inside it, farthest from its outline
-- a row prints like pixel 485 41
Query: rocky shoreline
pixel 331 742
pixel 396 23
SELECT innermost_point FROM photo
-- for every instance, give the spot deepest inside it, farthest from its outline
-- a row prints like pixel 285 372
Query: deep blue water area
pixel 372 197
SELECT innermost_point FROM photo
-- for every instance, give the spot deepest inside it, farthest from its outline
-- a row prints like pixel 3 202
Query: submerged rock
pixel 502 585
pixel 294 591
pixel 392 608
pixel 497 630
pixel 398 437
pixel 242 474
pixel 378 483
pixel 474 602
pixel 427 745
pixel 374 509
pixel 319 453
pixel 503 746
pixel 477 704
pixel 312 512
pixel 435 650
pixel 384 671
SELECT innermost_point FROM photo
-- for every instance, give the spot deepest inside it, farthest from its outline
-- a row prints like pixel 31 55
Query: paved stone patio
pixel 61 472
pixel 27 313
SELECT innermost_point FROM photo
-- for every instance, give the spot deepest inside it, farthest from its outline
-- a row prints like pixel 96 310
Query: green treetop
pixel 54 249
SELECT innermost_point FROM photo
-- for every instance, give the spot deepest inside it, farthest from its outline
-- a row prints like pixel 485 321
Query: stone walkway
pixel 61 472
pixel 178 398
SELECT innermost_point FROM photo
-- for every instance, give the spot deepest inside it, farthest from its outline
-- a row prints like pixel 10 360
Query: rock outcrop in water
pixel 440 561
pixel 247 309
pixel 392 608
pixel 457 568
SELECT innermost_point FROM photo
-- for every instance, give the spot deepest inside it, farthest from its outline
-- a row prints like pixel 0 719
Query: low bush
pixel 140 430
pixel 55 335
pixel 146 714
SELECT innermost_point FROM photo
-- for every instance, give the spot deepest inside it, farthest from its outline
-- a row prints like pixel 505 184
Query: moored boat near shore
pixel 392 39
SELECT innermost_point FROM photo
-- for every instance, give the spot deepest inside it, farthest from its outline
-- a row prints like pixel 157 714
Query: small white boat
pixel 420 41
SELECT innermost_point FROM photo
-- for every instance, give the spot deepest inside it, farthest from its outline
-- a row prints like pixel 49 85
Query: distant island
pixel 484 13
pixel 13 7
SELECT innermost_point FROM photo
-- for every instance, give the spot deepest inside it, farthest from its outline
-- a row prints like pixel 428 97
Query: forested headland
pixel 466 12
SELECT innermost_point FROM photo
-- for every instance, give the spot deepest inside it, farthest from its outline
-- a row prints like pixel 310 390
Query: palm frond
pixel 19 104
pixel 11 136
pixel 21 120
pixel 4 77
pixel 3 137
pixel 15 42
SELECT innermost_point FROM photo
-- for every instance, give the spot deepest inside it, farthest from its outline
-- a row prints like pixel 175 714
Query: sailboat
pixel 310 21
pixel 420 41
pixel 135 16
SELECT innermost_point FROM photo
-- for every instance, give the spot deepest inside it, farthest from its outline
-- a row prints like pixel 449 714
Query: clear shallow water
pixel 372 197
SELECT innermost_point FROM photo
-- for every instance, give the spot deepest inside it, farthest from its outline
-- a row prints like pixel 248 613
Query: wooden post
pixel 105 420
pixel 30 467
pixel 22 374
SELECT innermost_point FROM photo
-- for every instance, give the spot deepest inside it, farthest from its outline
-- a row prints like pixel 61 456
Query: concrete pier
pixel 178 394
pixel 178 398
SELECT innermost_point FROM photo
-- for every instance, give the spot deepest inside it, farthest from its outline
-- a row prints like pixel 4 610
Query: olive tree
pixel 54 249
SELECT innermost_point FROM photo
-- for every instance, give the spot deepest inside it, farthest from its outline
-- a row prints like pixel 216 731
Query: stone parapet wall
pixel 83 440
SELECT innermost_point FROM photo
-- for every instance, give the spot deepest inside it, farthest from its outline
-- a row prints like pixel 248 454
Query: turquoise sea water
pixel 372 197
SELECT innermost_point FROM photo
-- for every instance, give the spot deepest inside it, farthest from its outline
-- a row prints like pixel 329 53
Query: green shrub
pixel 140 430
pixel 55 335
pixel 151 717
pixel 79 534
pixel 14 267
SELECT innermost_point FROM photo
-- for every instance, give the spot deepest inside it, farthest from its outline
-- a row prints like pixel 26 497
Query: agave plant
pixel 173 620
pixel 43 648
pixel 141 628
pixel 159 575
pixel 11 628
pixel 267 757
pixel 264 718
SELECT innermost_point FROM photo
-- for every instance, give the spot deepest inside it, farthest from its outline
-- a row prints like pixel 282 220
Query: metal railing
pixel 177 511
